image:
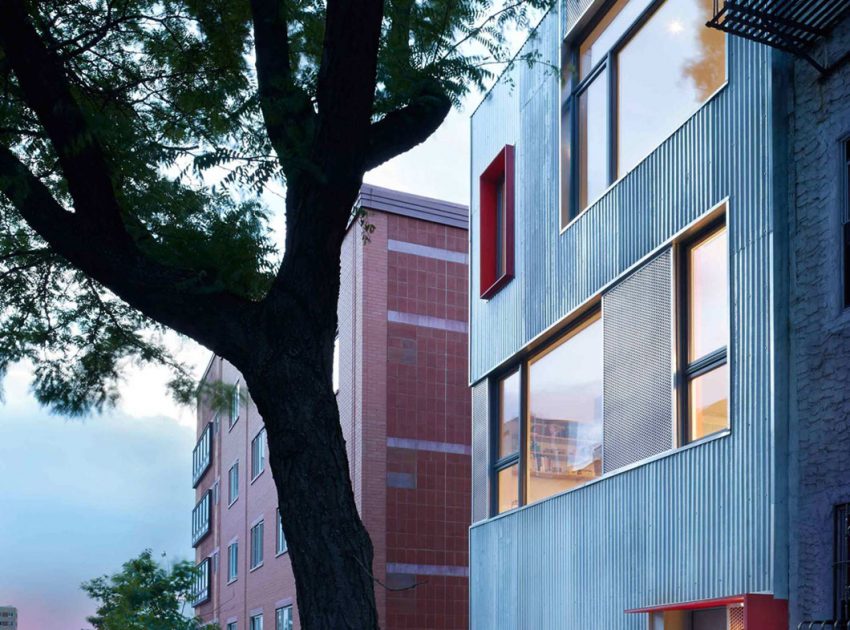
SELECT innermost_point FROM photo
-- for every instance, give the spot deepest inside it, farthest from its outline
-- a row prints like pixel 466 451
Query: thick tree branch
pixel 287 110
pixel 184 300
pixel 94 237
pixel 404 128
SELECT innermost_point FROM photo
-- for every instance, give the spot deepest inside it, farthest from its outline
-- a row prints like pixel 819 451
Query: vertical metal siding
pixel 697 523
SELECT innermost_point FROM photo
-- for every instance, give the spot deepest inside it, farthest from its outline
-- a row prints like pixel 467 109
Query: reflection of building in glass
pixel 564 449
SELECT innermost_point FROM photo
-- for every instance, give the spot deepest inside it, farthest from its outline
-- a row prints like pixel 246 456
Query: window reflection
pixel 509 415
pixel 508 482
pixel 593 140
pixel 664 72
pixel 709 402
pixel 605 34
pixel 709 307
pixel 565 414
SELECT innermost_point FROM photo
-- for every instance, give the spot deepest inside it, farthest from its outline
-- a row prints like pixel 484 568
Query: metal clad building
pixel 705 520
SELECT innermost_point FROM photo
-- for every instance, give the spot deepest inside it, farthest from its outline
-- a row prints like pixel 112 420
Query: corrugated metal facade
pixel 698 522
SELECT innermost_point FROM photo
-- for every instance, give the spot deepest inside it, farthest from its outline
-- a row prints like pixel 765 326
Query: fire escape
pixel 790 25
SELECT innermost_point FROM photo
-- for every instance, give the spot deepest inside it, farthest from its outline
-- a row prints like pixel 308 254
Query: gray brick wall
pixel 820 341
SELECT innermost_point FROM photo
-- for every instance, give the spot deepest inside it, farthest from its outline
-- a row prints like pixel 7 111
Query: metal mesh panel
pixel 638 405
pixel 480 451
pixel 736 618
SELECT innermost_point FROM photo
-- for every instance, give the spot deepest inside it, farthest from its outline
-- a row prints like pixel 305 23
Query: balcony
pixel 202 455
pixel 201 587
pixel 201 518
pixel 789 25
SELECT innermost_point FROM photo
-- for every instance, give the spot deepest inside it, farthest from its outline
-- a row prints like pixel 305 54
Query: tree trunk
pixel 329 547
pixel 289 378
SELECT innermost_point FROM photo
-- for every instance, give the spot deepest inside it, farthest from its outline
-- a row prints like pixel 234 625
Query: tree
pixel 114 115
pixel 144 595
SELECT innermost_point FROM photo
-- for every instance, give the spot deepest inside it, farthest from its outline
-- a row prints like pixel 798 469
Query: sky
pixel 78 497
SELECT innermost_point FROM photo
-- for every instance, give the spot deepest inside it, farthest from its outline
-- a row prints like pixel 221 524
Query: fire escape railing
pixel 790 25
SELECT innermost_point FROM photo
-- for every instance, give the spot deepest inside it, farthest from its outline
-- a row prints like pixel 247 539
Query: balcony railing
pixel 201 518
pixel 201 587
pixel 789 25
pixel 202 455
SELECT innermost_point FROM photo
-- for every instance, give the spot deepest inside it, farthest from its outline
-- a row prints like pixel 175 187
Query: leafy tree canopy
pixel 185 110
pixel 144 595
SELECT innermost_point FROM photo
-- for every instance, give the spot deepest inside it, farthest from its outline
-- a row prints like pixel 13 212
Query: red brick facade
pixel 405 413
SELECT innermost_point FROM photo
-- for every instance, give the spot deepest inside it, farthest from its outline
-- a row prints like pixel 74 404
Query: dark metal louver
pixel 789 25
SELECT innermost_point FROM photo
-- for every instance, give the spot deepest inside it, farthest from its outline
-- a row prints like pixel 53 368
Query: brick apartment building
pixel 400 368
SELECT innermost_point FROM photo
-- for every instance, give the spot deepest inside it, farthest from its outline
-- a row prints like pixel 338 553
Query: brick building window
pixel 280 546
pixel 232 561
pixel 234 404
pixel 233 483
pixel 258 454
pixel 283 618
pixel 257 622
pixel 257 545
pixel 704 333
pixel 497 223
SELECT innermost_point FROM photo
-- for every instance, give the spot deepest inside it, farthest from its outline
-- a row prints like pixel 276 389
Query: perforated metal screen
pixel 638 365
pixel 736 618
pixel 480 451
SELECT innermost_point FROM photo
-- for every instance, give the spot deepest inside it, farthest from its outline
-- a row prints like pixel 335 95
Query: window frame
pixel 687 370
pixel 280 536
pixel 252 619
pixel 499 174
pixel 235 405
pixel 277 620
pixel 256 545
pixel 258 453
pixel 575 86
pixel 521 365
pixel 233 561
pixel 231 487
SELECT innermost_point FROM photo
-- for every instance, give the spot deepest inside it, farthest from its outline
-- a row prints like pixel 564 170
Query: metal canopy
pixel 789 25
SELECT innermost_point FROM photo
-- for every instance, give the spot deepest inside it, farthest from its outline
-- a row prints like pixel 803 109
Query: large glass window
pixel 564 438
pixel 641 72
pixel 706 320
pixel 554 401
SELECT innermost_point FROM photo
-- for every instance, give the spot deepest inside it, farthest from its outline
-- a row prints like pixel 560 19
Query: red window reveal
pixel 497 223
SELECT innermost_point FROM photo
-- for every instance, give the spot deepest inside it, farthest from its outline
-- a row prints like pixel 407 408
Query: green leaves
pixel 144 595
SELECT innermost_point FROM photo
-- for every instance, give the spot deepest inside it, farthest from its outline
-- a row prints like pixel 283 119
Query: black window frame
pixel 575 87
pixel 520 365
pixel 688 370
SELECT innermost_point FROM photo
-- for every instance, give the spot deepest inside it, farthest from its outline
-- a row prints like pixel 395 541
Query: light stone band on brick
pixel 426 321
pixel 427 445
pixel 404 247
pixel 427 569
